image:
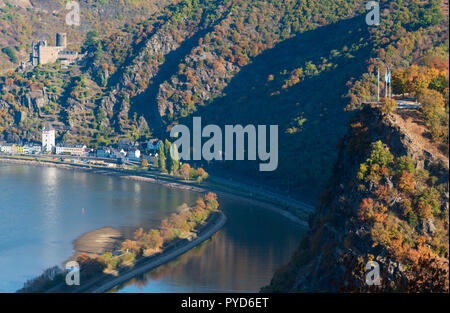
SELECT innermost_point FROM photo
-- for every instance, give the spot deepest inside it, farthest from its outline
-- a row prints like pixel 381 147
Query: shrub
pixel 388 105
pixel 380 154
pixel 405 163
pixel 10 53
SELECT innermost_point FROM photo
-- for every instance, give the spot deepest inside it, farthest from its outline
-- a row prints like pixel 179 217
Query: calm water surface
pixel 41 213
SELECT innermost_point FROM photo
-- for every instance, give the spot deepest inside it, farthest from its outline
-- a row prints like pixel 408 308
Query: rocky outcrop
pixel 333 255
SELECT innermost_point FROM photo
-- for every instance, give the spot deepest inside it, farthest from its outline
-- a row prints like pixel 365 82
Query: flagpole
pixel 390 86
pixel 378 85
pixel 385 81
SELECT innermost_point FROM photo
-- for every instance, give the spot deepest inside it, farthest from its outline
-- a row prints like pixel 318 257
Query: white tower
pixel 48 139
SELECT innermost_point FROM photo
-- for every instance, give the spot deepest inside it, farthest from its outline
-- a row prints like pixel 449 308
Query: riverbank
pixel 105 282
pixel 236 193
pixel 97 241
pixel 294 210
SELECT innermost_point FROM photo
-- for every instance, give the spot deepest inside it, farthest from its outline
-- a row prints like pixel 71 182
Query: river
pixel 44 209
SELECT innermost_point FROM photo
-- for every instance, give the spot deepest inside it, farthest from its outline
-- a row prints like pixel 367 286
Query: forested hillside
pixel 230 62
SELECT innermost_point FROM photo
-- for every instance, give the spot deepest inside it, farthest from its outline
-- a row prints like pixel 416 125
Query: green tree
pixel 162 158
pixel 174 159
pixel 167 147
pixel 380 154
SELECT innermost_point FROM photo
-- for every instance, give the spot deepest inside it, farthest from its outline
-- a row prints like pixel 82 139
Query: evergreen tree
pixel 161 158
pixel 167 147
pixel 175 159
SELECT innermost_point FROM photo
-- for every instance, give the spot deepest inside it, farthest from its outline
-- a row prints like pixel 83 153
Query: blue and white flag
pixel 387 77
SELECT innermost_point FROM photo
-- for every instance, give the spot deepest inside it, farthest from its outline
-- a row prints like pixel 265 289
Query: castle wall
pixel 48 54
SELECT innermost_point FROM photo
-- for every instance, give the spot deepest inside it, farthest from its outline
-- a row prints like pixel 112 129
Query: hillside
pixel 22 21
pixel 228 61
pixel 387 201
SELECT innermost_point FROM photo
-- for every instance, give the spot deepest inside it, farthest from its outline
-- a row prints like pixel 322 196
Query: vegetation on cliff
pixel 387 202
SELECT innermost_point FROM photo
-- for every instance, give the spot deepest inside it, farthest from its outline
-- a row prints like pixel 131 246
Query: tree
pixel 10 53
pixel 129 245
pixel 144 163
pixel 162 159
pixel 172 162
pixel 433 109
pixel 185 170
pixel 388 105
pixel 152 240
pixel 175 158
pixel 380 154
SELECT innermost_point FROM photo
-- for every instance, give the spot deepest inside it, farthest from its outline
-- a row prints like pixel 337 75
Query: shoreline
pixel 211 228
pixel 106 281
pixel 274 202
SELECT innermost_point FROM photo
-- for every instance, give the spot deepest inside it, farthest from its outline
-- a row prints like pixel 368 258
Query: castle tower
pixel 48 139
pixel 61 40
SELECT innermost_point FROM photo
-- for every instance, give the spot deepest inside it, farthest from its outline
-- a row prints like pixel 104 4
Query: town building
pixel 32 148
pixel 48 139
pixel 134 154
pixel 71 149
pixel 126 144
pixel 9 148
pixel 103 152
pixel 153 144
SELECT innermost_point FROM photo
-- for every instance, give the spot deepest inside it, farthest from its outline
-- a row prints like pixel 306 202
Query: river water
pixel 44 209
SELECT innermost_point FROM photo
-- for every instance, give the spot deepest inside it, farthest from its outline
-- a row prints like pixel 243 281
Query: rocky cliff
pixel 388 202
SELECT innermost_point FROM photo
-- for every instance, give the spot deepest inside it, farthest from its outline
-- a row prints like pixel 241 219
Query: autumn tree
pixel 388 105
pixel 185 171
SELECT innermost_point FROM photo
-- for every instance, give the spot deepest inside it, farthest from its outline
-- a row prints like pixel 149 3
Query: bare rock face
pixel 38 99
pixel 3 104
pixel 428 227
pixel 24 4
pixel 331 257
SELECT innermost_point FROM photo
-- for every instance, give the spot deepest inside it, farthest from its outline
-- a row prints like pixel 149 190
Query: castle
pixel 42 53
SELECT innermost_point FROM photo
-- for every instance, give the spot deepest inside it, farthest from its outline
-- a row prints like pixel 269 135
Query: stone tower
pixel 61 40
pixel 48 139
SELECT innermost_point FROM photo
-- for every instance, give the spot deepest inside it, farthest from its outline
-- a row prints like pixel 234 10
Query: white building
pixel 70 149
pixel 134 154
pixel 32 149
pixel 48 139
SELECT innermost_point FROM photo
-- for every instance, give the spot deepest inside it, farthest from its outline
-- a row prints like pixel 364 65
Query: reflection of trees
pixel 220 263
pixel 143 280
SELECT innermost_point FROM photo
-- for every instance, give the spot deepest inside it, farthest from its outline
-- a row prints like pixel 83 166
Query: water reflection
pixel 41 214
pixel 241 257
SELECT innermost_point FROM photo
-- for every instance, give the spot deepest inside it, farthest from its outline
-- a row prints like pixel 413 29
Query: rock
pixel 428 227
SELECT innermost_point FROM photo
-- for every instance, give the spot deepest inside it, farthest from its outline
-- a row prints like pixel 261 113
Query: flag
pixel 387 77
pixel 378 76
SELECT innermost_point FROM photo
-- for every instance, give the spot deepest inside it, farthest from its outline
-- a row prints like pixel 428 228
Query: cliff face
pixel 387 201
